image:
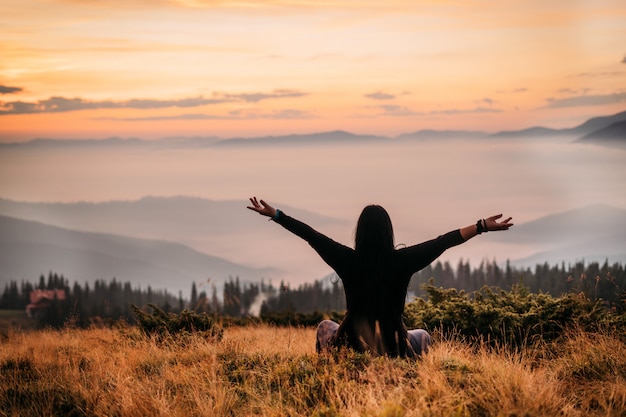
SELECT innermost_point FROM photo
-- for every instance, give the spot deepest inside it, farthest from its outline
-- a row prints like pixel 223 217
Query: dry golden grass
pixel 261 370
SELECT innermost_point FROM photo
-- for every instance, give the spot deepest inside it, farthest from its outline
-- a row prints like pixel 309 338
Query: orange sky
pixel 153 68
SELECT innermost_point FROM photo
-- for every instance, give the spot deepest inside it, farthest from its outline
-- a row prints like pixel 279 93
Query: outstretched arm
pixel 489 224
pixel 333 253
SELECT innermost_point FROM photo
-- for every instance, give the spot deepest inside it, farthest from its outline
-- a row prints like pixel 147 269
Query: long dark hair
pixel 374 233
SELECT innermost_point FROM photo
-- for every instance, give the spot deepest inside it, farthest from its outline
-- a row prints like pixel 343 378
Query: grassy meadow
pixel 15 319
pixel 274 371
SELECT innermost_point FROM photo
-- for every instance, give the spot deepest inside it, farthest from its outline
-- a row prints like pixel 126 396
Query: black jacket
pixel 375 290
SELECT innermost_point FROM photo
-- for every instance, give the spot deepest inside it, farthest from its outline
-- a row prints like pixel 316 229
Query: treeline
pixel 605 282
pixel 84 305
pixel 106 302
pixel 103 301
pixel 258 299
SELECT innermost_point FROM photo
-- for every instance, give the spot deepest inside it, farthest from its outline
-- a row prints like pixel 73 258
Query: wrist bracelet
pixel 481 226
pixel 275 216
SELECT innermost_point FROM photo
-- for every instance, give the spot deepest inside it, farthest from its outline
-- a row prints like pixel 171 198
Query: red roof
pixel 37 295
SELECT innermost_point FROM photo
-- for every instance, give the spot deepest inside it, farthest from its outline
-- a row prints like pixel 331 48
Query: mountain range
pixel 597 129
pixel 611 135
pixel 594 233
pixel 168 242
pixel 29 249
pixel 604 130
pixel 196 222
pixel 163 242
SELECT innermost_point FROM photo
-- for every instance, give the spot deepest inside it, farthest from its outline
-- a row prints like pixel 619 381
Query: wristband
pixel 275 217
pixel 481 226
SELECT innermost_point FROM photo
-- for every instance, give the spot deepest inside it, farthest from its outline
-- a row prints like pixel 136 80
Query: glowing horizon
pixel 194 67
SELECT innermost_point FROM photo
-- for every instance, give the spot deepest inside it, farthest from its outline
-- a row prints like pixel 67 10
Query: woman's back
pixel 375 277
pixel 375 286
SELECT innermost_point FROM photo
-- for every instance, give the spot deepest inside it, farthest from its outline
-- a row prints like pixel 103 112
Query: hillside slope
pixel 29 249
pixel 591 233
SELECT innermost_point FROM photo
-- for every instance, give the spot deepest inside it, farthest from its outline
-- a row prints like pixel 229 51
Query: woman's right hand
pixel 262 207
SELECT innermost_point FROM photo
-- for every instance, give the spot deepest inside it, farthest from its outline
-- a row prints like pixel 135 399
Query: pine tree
pixel 193 303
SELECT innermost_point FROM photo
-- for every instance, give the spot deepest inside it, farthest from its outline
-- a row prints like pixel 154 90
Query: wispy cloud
pixel 452 112
pixel 582 91
pixel 5 89
pixel 393 110
pixel 282 4
pixel 515 90
pixel 284 114
pixel 598 74
pixel 587 100
pixel 624 60
pixel 63 104
pixel 380 96
pixel 256 97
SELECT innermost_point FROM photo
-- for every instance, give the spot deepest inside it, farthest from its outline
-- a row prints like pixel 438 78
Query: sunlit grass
pixel 262 370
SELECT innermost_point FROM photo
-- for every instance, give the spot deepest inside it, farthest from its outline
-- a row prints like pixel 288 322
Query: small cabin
pixel 40 300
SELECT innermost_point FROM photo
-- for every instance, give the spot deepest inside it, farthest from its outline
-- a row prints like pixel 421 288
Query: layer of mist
pixel 428 186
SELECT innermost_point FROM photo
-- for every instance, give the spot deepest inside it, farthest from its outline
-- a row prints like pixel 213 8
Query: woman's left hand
pixel 262 207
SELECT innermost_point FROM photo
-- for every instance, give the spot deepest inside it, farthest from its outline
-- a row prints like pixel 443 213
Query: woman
pixel 375 278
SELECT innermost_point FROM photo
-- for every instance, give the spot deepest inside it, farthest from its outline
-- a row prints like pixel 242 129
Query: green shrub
pixel 500 317
pixel 290 318
pixel 164 325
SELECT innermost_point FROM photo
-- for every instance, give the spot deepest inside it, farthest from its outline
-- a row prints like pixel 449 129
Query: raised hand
pixel 492 224
pixel 262 207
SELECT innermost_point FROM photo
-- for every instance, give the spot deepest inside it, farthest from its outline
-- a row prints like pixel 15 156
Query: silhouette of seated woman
pixel 375 277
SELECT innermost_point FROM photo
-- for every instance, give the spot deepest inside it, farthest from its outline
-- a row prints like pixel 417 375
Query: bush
pixel 164 325
pixel 500 317
pixel 290 318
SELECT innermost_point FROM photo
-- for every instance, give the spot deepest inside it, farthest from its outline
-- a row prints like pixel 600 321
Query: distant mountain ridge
pixel 589 128
pixel 137 238
pixel 179 218
pixel 591 233
pixel 611 135
pixel 29 249
pixel 337 136
pixel 224 229
pixel 530 132
pixel 430 134
pixel 592 130
pixel 598 123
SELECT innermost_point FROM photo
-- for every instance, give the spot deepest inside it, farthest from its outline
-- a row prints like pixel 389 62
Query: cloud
pixel 5 89
pixel 289 114
pixel 284 114
pixel 256 97
pixel 582 91
pixel 187 116
pixel 452 112
pixel 63 104
pixel 598 74
pixel 487 100
pixel 515 90
pixel 380 96
pixel 624 60
pixel 393 110
pixel 587 100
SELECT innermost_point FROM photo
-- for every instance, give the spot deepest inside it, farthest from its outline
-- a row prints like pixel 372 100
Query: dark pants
pixel 419 339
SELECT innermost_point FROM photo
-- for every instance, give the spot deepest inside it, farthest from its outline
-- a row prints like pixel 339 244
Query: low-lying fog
pixel 428 187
